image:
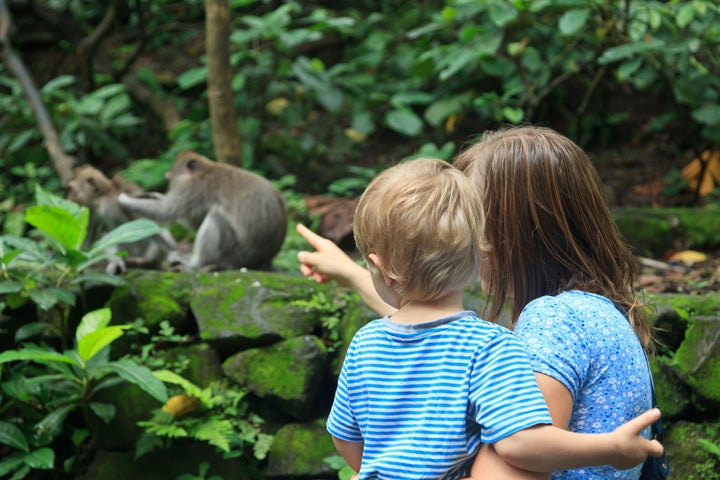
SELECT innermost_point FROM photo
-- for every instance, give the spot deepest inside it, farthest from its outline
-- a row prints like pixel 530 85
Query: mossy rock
pixel 203 363
pixel 697 361
pixel 669 326
pixel 235 310
pixel 652 231
pixel 287 374
pixel 355 316
pixel 688 306
pixel 181 458
pixel 299 450
pixel 153 296
pixel 132 404
pixel 673 396
pixel 689 448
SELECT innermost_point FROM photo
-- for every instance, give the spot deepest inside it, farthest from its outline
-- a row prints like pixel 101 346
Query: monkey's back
pixel 258 217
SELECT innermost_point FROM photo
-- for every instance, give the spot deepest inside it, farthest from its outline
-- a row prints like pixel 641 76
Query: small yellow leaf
pixel 276 106
pixel 711 175
pixel 688 257
pixel 354 135
pixel 181 404
pixel 450 123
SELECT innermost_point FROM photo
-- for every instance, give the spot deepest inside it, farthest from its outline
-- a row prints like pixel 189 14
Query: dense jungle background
pixel 317 96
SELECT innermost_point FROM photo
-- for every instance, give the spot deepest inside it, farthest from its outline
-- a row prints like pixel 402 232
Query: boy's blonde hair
pixel 423 219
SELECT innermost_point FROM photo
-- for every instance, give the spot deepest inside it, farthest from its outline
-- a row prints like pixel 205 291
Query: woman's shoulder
pixel 571 302
pixel 582 313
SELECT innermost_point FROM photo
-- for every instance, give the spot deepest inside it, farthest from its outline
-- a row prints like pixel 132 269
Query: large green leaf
pixel 457 59
pixel 573 21
pixel 708 114
pixel 168 376
pixel 105 411
pixel 60 225
pixel 8 286
pixel 30 330
pixel 440 110
pixel 126 233
pixel 627 50
pixel 52 424
pixel 46 298
pixel 43 197
pixel 12 463
pixel 404 121
pixel 12 436
pixel 140 376
pixel 411 98
pixel 502 13
pixel 92 342
pixel 685 14
pixel 92 321
pixel 41 459
pixel 23 250
pixel 35 355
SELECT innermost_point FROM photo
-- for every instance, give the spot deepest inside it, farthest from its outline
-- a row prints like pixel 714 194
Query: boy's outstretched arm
pixel 351 451
pixel 329 262
pixel 545 448
pixel 488 464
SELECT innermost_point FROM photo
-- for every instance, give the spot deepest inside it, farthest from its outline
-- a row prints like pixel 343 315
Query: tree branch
pixel 62 163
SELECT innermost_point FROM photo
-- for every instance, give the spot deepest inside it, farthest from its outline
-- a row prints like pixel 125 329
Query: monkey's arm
pixel 151 205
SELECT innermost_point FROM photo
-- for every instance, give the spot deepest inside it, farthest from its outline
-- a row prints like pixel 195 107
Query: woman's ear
pixel 378 264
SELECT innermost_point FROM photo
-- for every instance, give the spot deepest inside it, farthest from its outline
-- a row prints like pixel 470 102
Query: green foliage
pixel 25 458
pixel 217 414
pixel 51 267
pixel 202 474
pixel 96 123
pixel 64 383
pixel 338 463
pixel 709 469
pixel 23 163
pixel 89 126
pixel 319 87
pixel 331 310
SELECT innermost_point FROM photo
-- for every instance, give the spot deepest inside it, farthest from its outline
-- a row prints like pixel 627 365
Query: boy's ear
pixel 378 264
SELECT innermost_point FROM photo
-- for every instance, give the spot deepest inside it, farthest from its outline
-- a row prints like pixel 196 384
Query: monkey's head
pixel 188 165
pixel 86 185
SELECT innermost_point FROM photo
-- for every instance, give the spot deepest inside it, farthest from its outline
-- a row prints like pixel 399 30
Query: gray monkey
pixel 240 217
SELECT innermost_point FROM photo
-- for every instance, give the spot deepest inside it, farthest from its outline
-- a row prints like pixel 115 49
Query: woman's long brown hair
pixel 548 227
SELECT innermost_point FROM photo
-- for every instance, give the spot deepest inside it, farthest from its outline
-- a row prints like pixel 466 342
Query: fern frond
pixel 215 431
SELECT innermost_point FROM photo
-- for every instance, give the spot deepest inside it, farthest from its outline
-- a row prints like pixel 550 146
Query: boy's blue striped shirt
pixel 423 397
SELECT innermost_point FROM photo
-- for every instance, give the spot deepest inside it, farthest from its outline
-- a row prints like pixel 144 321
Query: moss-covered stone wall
pixel 283 337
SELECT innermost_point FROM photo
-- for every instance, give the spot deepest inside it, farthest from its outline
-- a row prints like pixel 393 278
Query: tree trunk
pixel 220 98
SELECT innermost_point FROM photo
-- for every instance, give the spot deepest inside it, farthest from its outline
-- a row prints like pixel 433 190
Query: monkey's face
pixel 86 185
pixel 76 193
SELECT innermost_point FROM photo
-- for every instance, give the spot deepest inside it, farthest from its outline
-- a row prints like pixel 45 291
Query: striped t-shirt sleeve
pixel 342 422
pixel 504 395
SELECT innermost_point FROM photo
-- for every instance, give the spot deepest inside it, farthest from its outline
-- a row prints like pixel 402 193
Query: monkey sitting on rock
pixel 90 188
pixel 240 217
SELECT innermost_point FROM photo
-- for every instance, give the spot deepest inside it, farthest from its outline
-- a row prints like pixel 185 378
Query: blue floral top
pixel 584 342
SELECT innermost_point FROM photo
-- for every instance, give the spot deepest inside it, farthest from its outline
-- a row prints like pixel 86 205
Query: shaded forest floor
pixel 648 176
